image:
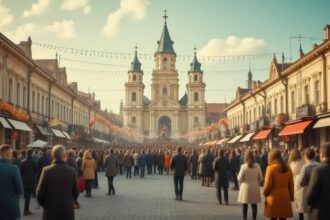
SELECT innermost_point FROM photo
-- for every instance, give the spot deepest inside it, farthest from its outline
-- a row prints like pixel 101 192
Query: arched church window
pixel 164 91
pixel 196 119
pixel 196 96
pixel 133 96
pixel 195 78
pixel 165 63
pixel 134 77
pixel 133 120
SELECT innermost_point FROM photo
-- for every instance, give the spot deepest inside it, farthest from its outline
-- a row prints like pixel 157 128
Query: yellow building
pixel 164 113
pixel 291 108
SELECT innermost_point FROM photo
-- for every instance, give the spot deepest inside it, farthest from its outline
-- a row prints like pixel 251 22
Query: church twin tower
pixel 165 113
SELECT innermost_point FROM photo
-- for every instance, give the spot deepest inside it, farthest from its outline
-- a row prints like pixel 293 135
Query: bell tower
pixel 165 78
pixel 134 90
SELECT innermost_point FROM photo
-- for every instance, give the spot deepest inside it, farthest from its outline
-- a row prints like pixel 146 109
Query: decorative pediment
pixel 164 102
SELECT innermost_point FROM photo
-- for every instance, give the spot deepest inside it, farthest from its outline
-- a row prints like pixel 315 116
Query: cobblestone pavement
pixel 153 198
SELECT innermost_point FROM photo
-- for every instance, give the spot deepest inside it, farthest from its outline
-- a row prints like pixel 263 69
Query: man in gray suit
pixel 111 169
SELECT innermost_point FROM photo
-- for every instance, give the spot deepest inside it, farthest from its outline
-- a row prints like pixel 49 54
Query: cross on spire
pixel 136 48
pixel 195 50
pixel 165 15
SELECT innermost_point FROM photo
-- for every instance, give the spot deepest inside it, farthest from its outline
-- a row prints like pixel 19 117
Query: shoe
pixel 108 194
pixel 177 198
pixel 180 198
pixel 220 203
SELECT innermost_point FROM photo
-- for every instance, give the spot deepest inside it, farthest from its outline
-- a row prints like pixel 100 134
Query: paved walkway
pixel 153 198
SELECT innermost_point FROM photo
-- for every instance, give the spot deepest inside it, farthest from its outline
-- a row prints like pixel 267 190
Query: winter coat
pixel 10 189
pixel 88 166
pixel 136 159
pixel 279 192
pixel 111 165
pixel 142 160
pixel 29 173
pixel 179 165
pixel 160 160
pixel 250 179
pixel 128 160
pixel 57 190
pixel 193 161
pixel 200 164
pixel 298 203
pixel 71 162
pixel 207 163
pixel 221 168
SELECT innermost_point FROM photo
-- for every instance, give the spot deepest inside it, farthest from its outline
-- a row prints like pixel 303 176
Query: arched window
pixel 133 96
pixel 196 96
pixel 10 91
pixel 164 91
pixel 195 77
pixel 133 120
pixel 196 119
pixel 165 63
pixel 134 77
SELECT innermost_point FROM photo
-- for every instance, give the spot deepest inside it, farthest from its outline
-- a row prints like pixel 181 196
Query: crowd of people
pixel 291 180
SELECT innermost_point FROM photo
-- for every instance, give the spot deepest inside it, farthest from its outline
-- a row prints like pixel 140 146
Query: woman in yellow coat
pixel 88 168
pixel 278 187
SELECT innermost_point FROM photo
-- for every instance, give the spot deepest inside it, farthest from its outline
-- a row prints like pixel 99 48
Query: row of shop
pixel 298 134
pixel 20 134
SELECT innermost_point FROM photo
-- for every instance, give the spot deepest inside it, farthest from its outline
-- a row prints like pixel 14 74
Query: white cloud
pixel 135 9
pixel 72 5
pixel 23 32
pixel 6 15
pixel 233 46
pixel 63 29
pixel 37 8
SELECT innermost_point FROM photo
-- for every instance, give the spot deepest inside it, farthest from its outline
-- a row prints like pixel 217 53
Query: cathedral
pixel 164 113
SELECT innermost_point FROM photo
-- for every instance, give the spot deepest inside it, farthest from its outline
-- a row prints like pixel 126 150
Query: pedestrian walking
pixel 160 162
pixel 193 163
pixel 250 178
pixel 57 188
pixel 278 187
pixel 221 168
pixel 142 163
pixel 234 168
pixel 296 163
pixel 136 163
pixel 167 162
pixel 179 165
pixel 111 164
pixel 128 163
pixel 208 167
pixel 11 186
pixel 29 176
pixel 319 197
pixel 88 168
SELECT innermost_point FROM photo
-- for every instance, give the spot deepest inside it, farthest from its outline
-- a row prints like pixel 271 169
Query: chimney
pixel 326 31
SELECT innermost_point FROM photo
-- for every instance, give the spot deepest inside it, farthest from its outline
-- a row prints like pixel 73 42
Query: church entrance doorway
pixel 164 126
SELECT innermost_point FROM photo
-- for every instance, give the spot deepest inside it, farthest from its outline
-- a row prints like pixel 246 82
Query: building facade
pixel 291 108
pixel 37 102
pixel 164 112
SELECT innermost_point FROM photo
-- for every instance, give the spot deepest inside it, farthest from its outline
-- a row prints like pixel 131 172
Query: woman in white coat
pixel 296 163
pixel 250 177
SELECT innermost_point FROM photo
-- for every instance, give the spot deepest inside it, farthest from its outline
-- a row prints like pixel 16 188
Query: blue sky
pixel 216 27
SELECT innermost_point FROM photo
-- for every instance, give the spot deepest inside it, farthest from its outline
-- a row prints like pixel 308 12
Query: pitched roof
pixel 46 64
pixel 195 66
pixel 135 65
pixel 165 44
pixel 216 107
pixel 184 100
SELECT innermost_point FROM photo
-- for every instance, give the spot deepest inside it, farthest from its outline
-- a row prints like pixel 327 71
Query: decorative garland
pixel 13 112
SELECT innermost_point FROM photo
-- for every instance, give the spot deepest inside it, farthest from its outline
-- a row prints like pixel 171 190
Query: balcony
pixel 305 110
pixel 263 122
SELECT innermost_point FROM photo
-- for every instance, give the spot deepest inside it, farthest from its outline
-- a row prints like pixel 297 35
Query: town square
pixel 150 109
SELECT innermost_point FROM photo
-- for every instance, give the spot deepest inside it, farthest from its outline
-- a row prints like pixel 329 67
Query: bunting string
pixel 149 56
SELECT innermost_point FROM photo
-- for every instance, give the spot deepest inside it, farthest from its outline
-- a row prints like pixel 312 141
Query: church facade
pixel 165 112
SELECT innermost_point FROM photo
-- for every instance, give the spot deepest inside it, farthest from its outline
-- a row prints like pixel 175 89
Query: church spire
pixel 195 66
pixel 165 44
pixel 135 65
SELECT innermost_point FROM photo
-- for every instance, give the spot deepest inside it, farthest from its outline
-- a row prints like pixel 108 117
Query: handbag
pixel 81 184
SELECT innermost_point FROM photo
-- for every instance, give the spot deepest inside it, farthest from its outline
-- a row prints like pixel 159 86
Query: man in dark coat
pixel 142 163
pixel 160 162
pixel 57 189
pixel 10 185
pixel 29 175
pixel 234 168
pixel 43 161
pixel 149 162
pixel 221 167
pixel 319 196
pixel 111 164
pixel 193 163
pixel 179 165
pixel 207 163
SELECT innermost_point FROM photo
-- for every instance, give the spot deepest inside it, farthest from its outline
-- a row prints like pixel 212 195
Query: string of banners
pixel 121 72
pixel 149 56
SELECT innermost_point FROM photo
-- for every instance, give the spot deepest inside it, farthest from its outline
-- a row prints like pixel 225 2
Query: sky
pixel 223 31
